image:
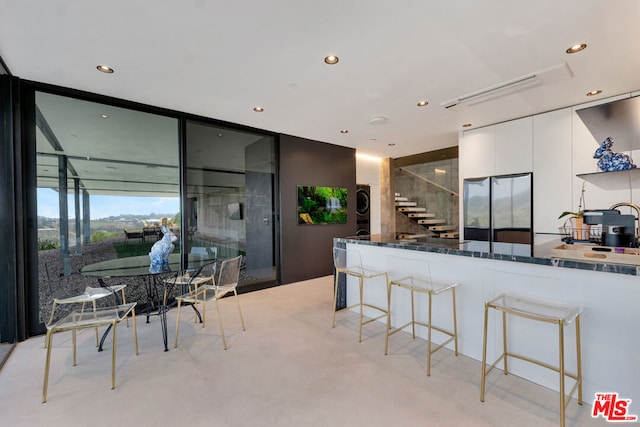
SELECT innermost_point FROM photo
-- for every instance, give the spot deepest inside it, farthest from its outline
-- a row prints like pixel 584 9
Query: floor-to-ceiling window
pixel 106 177
pixel 229 206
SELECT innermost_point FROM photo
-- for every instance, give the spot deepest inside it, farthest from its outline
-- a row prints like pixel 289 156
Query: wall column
pixel 387 197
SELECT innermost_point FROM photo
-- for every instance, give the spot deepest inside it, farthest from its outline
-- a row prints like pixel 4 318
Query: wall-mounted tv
pixel 322 205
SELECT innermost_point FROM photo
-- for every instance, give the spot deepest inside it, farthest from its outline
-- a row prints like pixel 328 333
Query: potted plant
pixel 579 230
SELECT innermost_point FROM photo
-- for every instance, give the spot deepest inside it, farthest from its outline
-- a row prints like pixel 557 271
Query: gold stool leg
pixel 504 341
pixel 429 334
pixel 455 322
pixel 484 351
pixel 335 298
pixel 361 284
pixel 386 340
pixel 413 317
pixel 579 360
pixel 561 371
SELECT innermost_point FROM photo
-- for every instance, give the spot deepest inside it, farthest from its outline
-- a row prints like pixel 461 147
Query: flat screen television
pixel 322 205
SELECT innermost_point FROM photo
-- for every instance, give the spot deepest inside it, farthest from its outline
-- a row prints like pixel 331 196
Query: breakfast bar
pixel 608 293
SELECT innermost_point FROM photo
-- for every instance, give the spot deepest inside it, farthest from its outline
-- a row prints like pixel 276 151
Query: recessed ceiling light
pixel 104 116
pixel 105 69
pixel 391 144
pixel 422 103
pixel 576 48
pixel 331 59
pixel 344 131
pixel 220 135
pixel 372 140
pixel 112 168
pixel 258 109
pixel 594 92
pixel 466 125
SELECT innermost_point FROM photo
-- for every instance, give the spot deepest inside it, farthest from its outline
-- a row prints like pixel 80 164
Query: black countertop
pixel 541 253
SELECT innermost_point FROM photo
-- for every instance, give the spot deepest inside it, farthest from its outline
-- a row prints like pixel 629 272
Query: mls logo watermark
pixel 612 408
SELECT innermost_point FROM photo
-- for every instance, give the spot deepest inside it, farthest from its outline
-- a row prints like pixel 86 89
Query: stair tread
pixel 406 204
pixel 443 228
pixel 402 199
pixel 411 209
pixel 431 221
pixel 410 236
pixel 421 215
pixel 453 235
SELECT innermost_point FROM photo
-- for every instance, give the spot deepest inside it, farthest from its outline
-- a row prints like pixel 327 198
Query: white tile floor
pixel 288 369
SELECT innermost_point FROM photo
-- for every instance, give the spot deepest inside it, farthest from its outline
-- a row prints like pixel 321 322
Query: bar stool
pixel 349 262
pixel 415 276
pixel 541 310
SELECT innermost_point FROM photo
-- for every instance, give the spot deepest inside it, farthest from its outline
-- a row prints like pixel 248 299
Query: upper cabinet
pixel 476 154
pixel 514 146
pixel 501 149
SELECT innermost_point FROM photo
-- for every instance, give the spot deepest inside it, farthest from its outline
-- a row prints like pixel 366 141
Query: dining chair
pixel 90 295
pixel 78 320
pixel 222 283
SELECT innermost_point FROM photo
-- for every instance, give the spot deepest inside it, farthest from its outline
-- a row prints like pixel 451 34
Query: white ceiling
pixel 221 58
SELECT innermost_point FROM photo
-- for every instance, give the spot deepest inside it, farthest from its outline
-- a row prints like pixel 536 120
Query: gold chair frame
pixel 77 320
pixel 204 294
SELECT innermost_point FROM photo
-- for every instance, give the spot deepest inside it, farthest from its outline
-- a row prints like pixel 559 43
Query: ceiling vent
pixel 546 76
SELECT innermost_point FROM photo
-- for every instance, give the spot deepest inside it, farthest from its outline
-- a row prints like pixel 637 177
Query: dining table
pixel 157 285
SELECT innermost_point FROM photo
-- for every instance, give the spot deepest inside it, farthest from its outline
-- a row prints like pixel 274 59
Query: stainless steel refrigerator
pixel 498 214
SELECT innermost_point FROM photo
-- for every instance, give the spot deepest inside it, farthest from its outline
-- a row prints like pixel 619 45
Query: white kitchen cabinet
pixel 476 153
pixel 514 146
pixel 552 174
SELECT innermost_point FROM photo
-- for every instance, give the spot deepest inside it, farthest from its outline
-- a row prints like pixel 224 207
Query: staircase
pixel 428 220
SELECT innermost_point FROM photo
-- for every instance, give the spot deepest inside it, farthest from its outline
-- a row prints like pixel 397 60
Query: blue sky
pixel 106 206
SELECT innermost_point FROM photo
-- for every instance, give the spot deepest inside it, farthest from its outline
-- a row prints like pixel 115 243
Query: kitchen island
pixel 609 293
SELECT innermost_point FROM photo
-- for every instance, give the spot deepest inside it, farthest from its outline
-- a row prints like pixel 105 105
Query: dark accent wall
pixel 306 250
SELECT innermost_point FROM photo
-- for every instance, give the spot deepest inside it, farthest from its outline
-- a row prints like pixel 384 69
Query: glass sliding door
pixel 230 188
pixel 106 176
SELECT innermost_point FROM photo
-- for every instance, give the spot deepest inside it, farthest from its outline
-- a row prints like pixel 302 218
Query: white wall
pixel 368 172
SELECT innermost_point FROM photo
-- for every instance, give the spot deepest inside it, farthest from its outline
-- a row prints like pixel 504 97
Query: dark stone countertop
pixel 541 253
